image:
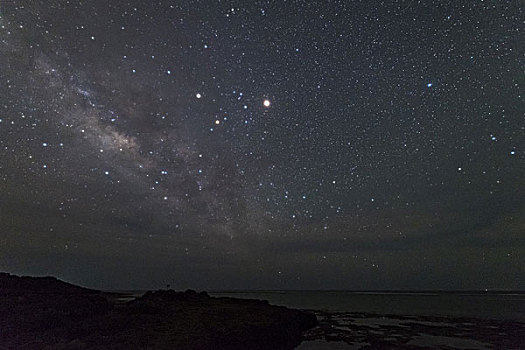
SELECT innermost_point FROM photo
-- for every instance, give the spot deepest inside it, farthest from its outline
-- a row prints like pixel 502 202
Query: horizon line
pixel 386 291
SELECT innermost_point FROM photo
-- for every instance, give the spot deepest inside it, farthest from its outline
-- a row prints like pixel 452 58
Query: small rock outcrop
pixel 40 313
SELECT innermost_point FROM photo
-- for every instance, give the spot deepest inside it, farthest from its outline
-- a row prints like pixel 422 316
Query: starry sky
pixel 266 144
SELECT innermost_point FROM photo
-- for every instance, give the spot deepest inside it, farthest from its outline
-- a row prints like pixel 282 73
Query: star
pixel 352 122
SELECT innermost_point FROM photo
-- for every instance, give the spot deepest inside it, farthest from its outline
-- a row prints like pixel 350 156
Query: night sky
pixel 295 144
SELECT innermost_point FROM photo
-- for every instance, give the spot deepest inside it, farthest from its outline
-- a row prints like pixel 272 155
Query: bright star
pixel 266 103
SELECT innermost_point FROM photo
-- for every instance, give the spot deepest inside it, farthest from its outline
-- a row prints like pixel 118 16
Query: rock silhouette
pixel 43 312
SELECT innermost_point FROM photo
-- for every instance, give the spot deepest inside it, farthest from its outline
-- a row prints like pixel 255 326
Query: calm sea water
pixel 356 320
pixel 487 306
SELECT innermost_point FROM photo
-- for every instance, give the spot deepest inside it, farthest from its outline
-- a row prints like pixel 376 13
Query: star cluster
pixel 264 144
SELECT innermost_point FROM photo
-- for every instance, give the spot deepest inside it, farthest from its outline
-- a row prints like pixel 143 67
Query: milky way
pixel 263 144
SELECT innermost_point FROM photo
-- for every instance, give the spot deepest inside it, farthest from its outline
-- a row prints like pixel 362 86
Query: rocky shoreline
pixel 45 313
pixel 360 330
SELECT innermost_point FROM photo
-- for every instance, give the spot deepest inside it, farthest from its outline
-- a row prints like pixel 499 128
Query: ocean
pixel 401 320
pixel 499 306
pixel 394 320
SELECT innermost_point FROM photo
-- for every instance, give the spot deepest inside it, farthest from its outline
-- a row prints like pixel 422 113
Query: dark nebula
pixel 136 147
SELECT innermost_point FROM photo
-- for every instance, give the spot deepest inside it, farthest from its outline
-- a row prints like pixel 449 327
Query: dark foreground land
pixel 45 313
pixel 365 331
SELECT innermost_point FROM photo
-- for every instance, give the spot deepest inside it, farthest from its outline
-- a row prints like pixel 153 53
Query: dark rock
pixel 190 292
pixel 38 313
pixel 204 294
pixel 15 284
